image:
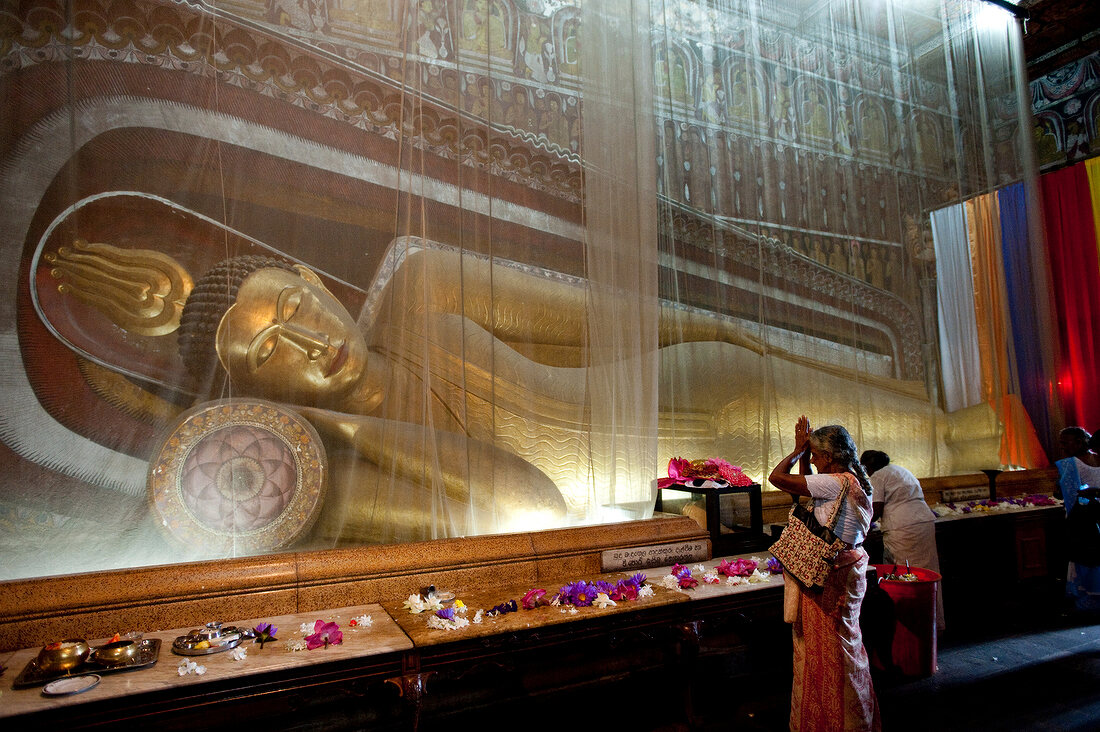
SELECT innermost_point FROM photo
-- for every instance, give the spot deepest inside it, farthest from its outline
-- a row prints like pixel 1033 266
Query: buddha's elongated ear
pixel 310 276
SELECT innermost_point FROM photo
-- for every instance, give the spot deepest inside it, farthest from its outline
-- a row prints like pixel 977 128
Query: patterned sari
pixel 832 674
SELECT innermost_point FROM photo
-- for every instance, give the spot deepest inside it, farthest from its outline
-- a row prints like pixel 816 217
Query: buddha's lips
pixel 338 360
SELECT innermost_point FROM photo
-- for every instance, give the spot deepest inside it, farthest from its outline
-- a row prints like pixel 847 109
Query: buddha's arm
pixel 491 479
pixel 521 307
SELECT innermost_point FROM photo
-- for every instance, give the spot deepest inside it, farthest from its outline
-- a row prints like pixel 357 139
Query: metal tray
pixel 32 675
pixel 219 639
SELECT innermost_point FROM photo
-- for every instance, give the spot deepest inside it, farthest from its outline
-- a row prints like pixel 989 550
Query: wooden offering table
pixel 646 659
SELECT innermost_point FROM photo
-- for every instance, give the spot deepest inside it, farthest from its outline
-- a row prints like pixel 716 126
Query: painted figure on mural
pixel 475 97
pixel 434 40
pixel 712 98
pixel 744 100
pixel 553 122
pixel 929 150
pixel 874 138
pixel 537 53
pixel 783 112
pixel 519 113
pixel 309 15
pixel 678 80
pixel 815 115
pixel 483 29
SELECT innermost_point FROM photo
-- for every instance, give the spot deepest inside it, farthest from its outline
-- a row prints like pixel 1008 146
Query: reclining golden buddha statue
pixel 456 404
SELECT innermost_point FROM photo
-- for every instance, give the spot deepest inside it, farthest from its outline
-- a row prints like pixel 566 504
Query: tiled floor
pixel 1042 677
pixel 1038 670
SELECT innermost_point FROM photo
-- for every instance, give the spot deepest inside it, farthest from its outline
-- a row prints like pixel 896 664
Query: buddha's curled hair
pixel 213 294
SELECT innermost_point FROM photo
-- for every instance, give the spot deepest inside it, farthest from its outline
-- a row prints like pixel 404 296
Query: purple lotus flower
pixel 680 571
pixel 605 587
pixel 447 613
pixel 638 580
pixel 773 565
pixel 324 634
pixel 579 593
pixel 265 632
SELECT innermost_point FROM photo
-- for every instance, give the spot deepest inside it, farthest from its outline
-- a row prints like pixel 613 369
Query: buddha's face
pixel 287 337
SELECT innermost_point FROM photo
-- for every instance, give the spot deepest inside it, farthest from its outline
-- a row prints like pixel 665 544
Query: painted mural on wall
pixel 1066 109
pixel 381 158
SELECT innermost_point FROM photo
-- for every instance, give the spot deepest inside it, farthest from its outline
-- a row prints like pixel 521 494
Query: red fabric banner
pixel 1075 279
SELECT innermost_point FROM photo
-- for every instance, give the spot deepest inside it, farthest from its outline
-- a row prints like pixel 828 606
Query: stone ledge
pixel 98 604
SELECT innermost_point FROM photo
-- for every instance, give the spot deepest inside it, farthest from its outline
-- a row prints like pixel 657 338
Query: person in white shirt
pixel 907 523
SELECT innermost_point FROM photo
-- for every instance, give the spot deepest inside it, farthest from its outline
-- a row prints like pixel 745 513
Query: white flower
pixel 239 653
pixel 296 645
pixel 187 666
pixel 363 621
pixel 434 621
pixel 306 628
pixel 477 616
pixel 735 580
pixel 699 568
pixel 671 582
pixel 645 591
pixel 417 604
pixel 758 576
pixel 711 578
pixel 602 600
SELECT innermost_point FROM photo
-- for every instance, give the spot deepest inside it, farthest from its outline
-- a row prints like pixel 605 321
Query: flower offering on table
pixel 449 618
pixel 418 603
pixel 739 567
pixel 265 632
pixel 188 667
pixel 679 578
pixel 1014 503
pixel 716 469
pixel 324 635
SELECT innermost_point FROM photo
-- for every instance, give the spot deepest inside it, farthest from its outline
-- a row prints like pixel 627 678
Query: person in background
pixel 907 523
pixel 1079 483
pixel 832 686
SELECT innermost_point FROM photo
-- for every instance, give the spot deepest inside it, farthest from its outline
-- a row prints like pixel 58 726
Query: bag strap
pixel 846 479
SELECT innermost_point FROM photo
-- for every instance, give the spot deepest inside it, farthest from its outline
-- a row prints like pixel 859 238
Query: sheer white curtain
pixel 576 239
pixel 960 361
pixel 801 150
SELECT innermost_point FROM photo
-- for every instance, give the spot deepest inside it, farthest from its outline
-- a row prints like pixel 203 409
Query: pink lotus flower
pixel 688 582
pixel 681 470
pixel 324 634
pixel 739 567
pixel 730 473
pixel 534 598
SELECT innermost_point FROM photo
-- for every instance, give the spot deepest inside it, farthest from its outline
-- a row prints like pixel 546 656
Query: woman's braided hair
pixel 836 441
pixel 213 294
